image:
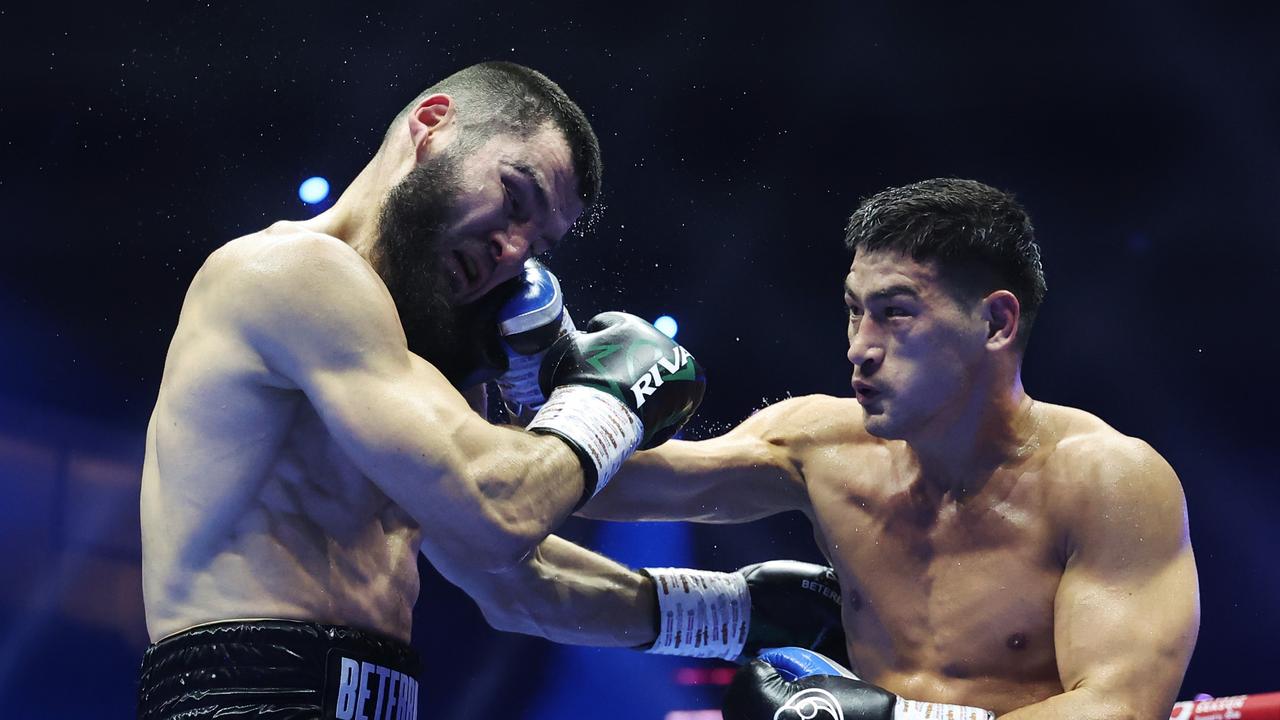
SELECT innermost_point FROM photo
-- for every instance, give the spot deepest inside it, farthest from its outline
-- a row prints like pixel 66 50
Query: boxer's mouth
pixel 469 274
pixel 864 391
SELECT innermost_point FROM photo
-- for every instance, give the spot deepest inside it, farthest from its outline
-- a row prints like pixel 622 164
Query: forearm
pixel 652 485
pixel 723 480
pixel 1090 704
pixel 568 594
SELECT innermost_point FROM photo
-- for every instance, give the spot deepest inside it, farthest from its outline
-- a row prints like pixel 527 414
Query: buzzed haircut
pixel 979 237
pixel 505 98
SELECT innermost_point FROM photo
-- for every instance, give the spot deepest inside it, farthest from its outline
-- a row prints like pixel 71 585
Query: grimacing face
pixel 515 199
pixel 915 347
pixel 460 224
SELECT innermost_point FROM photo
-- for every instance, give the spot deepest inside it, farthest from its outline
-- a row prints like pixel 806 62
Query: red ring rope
pixel 1264 706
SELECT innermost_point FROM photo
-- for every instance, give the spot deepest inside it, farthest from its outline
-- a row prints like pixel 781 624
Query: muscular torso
pixel 250 509
pixel 949 599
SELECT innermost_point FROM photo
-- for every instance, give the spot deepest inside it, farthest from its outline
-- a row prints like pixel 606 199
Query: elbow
pixel 510 521
pixel 508 611
pixel 493 546
pixel 478 540
pixel 505 598
pixel 516 529
pixel 504 537
pixel 509 549
pixel 502 616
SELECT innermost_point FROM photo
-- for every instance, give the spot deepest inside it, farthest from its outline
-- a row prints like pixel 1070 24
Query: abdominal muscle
pixel 263 516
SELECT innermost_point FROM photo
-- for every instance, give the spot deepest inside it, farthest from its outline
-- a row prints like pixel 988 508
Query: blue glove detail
pixel 793 663
pixel 529 322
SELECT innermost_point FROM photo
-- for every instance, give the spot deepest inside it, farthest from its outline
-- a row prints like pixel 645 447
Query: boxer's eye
pixel 513 202
pixel 518 209
pixel 892 311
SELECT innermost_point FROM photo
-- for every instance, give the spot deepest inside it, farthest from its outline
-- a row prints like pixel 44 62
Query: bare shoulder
pixel 1102 479
pixel 288 259
pixel 297 297
pixel 1091 452
pixel 809 420
pixel 290 274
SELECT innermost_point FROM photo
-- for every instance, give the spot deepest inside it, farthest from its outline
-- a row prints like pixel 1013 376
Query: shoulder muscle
pixel 305 302
pixel 1126 501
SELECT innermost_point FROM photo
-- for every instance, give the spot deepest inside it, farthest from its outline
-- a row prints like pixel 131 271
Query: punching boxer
pixel 995 552
pixel 309 437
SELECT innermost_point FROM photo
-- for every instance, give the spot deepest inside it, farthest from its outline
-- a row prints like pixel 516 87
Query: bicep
pixel 322 320
pixel 1127 608
pixel 473 486
pixel 405 427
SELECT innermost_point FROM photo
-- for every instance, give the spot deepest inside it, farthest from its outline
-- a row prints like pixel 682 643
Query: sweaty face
pixel 516 199
pixel 460 224
pixel 914 346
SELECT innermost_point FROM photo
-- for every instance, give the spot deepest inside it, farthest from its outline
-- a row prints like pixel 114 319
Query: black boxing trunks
pixel 278 670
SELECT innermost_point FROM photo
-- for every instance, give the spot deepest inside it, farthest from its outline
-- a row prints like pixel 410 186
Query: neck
pixel 996 428
pixel 353 218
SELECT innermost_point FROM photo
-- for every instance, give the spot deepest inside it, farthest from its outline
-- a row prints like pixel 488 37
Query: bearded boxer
pixel 995 552
pixel 309 436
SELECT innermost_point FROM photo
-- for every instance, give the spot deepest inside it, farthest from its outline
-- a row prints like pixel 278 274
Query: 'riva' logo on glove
pixel 653 379
pixel 811 704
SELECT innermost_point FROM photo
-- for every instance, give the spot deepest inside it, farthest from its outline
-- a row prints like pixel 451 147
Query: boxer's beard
pixel 411 227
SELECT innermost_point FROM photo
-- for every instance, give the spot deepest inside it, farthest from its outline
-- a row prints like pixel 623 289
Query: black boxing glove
pixel 794 604
pixel 615 387
pixel 796 684
pixel 735 615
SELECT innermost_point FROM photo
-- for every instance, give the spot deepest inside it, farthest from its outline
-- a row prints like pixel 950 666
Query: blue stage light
pixel 313 190
pixel 667 325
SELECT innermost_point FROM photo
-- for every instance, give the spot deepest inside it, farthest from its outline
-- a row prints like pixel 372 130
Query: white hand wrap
pixel 601 425
pixel 915 710
pixel 701 613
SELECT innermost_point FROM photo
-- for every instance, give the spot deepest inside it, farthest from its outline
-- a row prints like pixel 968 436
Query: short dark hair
pixel 503 97
pixel 979 236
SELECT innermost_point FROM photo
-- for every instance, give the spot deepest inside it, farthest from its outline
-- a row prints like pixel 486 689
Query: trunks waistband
pixel 278 669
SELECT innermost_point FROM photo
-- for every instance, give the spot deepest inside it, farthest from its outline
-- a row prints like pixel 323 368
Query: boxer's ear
pixel 1001 311
pixel 429 121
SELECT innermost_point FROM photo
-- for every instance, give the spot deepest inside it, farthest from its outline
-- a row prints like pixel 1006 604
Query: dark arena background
pixel 1143 138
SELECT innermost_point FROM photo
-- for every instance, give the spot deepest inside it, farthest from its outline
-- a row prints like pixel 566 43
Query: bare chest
pixel 945 590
